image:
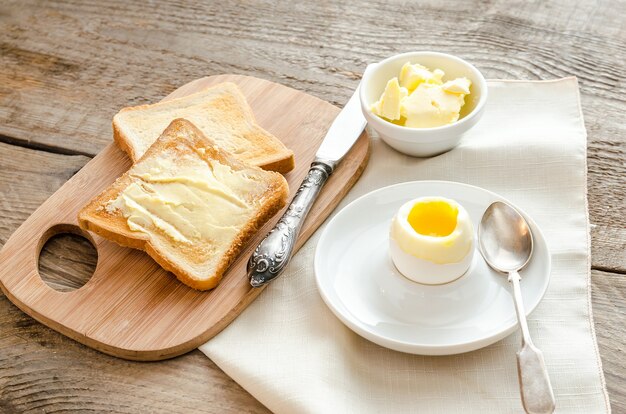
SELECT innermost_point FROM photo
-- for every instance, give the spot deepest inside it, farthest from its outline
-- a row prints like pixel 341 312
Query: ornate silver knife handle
pixel 273 253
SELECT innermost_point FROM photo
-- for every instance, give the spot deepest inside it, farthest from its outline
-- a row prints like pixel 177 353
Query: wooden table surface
pixel 66 67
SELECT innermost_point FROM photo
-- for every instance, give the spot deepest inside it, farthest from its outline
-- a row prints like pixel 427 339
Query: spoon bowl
pixel 505 240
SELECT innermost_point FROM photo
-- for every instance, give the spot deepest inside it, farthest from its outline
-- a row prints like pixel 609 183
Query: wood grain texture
pixel 131 307
pixel 124 53
pixel 608 292
pixel 42 371
pixel 67 66
pixel 67 261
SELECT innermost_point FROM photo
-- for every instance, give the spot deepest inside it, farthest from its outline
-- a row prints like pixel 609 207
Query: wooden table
pixel 66 67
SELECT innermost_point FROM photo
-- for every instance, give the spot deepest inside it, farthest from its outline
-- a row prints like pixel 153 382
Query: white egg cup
pixel 426 272
pixel 423 142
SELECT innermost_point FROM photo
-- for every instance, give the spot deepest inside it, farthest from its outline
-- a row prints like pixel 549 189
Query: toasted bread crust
pixel 112 225
pixel 122 142
pixel 280 159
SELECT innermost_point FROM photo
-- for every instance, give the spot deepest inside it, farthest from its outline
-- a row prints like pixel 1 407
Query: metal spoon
pixel 506 243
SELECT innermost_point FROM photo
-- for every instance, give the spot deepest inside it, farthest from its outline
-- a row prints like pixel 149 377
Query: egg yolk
pixel 433 218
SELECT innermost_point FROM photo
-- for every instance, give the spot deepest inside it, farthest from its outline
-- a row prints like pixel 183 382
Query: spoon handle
pixel 535 388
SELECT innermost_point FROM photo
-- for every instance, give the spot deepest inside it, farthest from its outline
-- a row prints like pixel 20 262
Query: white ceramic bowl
pixel 423 142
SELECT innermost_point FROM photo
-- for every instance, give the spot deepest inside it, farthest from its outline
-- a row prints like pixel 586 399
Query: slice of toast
pixel 189 204
pixel 220 112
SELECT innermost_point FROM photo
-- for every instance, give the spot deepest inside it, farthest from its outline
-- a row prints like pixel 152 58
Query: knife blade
pixel 273 253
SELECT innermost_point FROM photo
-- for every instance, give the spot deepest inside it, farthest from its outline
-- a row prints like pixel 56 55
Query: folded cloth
pixel 291 353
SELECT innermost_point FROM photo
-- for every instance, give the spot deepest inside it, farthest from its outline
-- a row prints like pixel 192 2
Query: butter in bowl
pixel 421 103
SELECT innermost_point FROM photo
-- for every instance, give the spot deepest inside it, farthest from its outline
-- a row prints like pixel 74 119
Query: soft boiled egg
pixel 432 240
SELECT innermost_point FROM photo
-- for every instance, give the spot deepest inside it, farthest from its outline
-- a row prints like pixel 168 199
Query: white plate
pixel 360 284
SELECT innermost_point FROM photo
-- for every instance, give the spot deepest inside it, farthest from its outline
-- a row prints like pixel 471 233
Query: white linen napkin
pixel 291 353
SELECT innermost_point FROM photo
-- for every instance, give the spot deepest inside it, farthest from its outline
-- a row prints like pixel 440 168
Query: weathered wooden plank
pixel 606 180
pixel 609 312
pixel 42 371
pixel 68 66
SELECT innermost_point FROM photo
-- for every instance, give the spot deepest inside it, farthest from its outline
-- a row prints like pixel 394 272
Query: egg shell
pixel 431 260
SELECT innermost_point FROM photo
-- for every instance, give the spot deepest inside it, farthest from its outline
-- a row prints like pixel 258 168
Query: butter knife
pixel 273 253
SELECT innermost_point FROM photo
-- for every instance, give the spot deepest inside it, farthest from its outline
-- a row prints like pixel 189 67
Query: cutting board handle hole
pixel 67 257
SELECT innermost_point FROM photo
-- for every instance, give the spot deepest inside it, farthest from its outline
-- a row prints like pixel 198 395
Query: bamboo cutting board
pixel 131 308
